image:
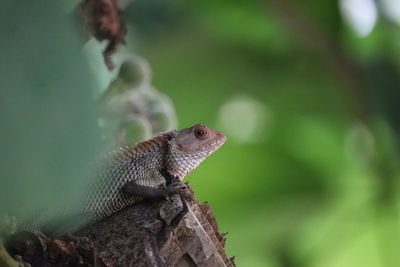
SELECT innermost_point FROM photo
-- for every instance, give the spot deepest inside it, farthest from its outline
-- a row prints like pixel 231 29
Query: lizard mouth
pixel 216 142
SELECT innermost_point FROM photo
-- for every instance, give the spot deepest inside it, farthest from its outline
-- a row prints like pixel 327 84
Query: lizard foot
pixel 181 189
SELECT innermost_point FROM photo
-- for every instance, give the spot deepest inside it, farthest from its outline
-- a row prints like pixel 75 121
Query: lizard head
pixel 190 146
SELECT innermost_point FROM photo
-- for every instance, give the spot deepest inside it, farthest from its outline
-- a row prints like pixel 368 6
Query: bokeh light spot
pixel 361 15
pixel 245 119
pixel 360 143
pixel 391 8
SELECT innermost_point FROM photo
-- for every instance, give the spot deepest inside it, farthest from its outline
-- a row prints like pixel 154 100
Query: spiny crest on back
pixel 144 147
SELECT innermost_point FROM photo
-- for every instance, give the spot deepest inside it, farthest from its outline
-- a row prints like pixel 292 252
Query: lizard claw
pixel 176 188
pixel 181 189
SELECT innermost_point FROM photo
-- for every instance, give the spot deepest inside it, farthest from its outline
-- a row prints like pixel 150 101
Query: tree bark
pixel 173 232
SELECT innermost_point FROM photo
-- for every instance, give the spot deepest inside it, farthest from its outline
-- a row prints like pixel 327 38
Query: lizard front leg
pixel 172 181
pixel 136 189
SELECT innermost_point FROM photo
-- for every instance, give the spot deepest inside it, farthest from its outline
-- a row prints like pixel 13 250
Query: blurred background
pixel 306 91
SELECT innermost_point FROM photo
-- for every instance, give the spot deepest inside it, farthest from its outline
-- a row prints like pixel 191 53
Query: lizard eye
pixel 200 132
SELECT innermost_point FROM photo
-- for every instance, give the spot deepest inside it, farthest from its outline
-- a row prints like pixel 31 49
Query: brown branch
pixel 151 233
pixel 103 21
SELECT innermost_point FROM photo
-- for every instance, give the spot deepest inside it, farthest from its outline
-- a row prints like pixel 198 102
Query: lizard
pixel 153 168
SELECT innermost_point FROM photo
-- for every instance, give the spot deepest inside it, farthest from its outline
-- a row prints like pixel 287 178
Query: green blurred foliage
pixel 320 186
pixel 48 131
pixel 132 109
pixel 303 179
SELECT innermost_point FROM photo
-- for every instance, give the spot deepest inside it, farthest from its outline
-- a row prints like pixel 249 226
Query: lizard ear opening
pixel 179 146
pixel 175 146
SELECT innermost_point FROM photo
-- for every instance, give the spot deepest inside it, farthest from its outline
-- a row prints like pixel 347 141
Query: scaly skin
pixel 151 168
